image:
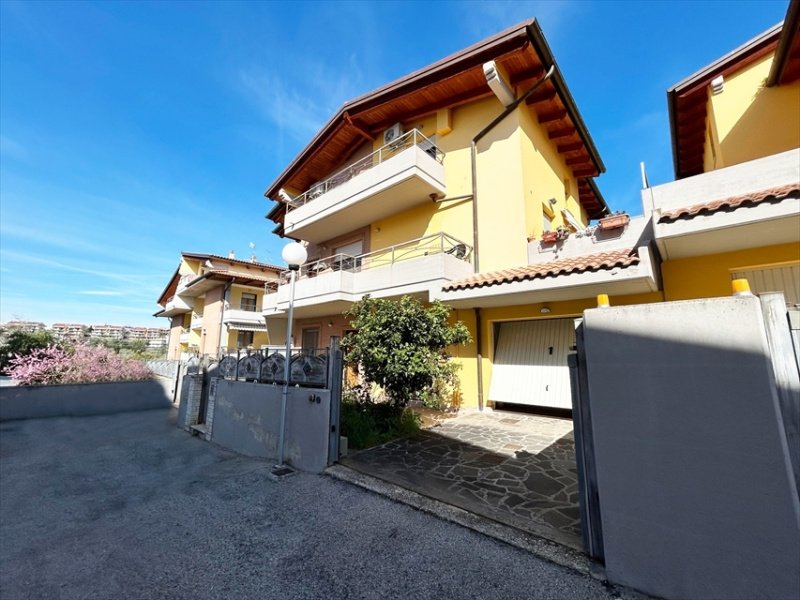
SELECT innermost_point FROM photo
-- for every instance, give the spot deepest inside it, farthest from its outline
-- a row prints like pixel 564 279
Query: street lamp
pixel 294 254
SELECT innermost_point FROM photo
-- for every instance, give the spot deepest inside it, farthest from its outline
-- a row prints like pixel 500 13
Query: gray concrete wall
pixel 247 419
pixel 697 496
pixel 36 402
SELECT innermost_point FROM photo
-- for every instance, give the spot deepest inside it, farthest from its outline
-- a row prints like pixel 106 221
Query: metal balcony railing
pixel 407 140
pixel 247 306
pixel 438 243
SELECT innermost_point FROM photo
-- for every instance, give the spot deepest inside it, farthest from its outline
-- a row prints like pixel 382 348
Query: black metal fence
pixel 307 368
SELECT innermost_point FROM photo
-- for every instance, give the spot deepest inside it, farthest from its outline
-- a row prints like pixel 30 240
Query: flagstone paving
pixel 518 469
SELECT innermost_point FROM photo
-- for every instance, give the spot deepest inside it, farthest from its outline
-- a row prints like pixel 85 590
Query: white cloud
pixel 100 293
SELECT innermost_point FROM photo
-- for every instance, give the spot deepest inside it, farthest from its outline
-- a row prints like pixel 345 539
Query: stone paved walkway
pixel 517 469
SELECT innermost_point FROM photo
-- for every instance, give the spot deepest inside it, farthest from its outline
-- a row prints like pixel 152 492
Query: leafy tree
pixel 18 342
pixel 400 344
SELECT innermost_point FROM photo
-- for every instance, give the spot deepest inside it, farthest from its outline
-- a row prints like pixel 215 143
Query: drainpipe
pixel 474 158
pixel 222 314
pixel 479 343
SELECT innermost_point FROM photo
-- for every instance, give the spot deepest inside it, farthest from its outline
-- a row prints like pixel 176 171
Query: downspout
pixel 474 158
pixel 222 314
pixel 479 343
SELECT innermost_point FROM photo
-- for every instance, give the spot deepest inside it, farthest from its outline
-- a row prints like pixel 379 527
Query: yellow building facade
pixel 472 182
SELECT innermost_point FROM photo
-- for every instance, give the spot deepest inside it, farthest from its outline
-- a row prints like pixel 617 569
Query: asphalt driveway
pixel 129 506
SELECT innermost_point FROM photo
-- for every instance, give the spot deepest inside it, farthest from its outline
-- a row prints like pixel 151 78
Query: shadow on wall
pixel 696 488
pixel 79 400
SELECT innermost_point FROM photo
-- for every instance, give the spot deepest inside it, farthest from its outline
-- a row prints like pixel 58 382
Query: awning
pixel 238 325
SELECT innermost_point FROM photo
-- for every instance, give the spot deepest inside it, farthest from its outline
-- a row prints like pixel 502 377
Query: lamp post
pixel 294 254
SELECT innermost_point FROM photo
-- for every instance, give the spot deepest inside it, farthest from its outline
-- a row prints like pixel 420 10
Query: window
pixel 249 302
pixel 244 339
pixel 310 340
pixel 547 221
pixel 345 256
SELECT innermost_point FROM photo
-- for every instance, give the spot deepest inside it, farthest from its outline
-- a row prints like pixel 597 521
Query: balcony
pixel 330 285
pixel 176 306
pixel 243 314
pixel 184 337
pixel 392 179
pixel 197 321
pixel 718 212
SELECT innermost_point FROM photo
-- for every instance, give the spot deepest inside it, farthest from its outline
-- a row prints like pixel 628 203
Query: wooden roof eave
pixel 690 96
pixel 788 50
pixel 418 78
pixel 169 291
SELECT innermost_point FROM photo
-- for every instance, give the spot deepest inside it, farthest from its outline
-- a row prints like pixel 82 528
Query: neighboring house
pixel 214 305
pixel 734 210
pixel 417 189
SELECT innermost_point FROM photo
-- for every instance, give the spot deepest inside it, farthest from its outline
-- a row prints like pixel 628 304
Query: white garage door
pixel 784 279
pixel 530 363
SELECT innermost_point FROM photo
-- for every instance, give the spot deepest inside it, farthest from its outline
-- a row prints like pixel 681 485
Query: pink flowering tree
pixel 82 364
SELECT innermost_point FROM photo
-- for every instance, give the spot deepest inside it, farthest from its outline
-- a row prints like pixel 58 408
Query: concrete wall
pixel 36 402
pixel 247 419
pixel 697 496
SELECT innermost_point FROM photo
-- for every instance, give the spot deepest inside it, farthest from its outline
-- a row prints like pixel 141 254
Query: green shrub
pixel 367 423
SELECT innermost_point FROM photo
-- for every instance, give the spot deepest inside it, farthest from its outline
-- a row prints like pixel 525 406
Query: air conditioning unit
pixel 391 134
pixel 316 190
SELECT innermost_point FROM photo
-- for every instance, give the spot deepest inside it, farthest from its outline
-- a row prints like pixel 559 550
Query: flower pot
pixel 614 222
pixel 549 237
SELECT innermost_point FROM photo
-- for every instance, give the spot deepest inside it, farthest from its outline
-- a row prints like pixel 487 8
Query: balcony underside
pixel 746 227
pixel 405 180
pixel 176 306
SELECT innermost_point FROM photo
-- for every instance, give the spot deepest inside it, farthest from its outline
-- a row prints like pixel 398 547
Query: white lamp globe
pixel 294 254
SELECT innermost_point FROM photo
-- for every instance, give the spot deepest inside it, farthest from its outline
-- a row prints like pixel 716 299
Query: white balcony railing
pixel 197 321
pixel 407 140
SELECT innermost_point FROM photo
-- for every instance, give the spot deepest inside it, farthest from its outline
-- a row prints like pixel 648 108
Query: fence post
pixel 785 370
pixel 335 372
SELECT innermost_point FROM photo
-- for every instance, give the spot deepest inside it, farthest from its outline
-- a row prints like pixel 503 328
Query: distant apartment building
pixel 26 326
pixel 113 332
pixel 69 331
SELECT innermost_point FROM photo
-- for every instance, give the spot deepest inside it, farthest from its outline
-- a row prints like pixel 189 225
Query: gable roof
pixel 245 279
pixel 523 53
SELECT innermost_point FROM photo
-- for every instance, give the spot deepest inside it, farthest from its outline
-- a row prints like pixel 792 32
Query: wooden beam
pixel 532 73
pixel 358 128
pixel 562 132
pixel 555 115
pixel 450 102
pixel 570 147
pixel 576 160
pixel 543 95
pixel 584 172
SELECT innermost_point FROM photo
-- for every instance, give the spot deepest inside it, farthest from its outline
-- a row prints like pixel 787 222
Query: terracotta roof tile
pixel 565 266
pixel 733 202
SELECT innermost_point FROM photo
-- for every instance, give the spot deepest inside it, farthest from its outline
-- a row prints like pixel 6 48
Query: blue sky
pixel 132 131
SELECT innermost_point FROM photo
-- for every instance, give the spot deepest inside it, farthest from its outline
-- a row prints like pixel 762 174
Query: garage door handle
pixel 551 350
